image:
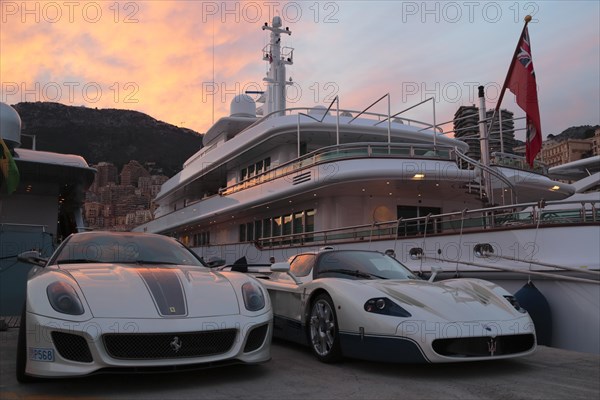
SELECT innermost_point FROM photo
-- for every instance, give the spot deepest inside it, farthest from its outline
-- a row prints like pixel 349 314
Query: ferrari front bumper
pixel 57 348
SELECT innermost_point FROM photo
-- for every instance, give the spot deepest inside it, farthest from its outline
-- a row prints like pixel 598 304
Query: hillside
pixel 575 132
pixel 117 136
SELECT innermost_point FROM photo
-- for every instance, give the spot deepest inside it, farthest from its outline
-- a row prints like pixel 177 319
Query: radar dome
pixel 243 105
pixel 10 125
pixel 318 111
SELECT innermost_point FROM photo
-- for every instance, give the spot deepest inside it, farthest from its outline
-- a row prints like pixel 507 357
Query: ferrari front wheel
pixel 323 330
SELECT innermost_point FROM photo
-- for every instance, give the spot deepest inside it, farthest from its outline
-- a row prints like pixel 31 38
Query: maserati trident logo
pixel 176 344
pixel 492 346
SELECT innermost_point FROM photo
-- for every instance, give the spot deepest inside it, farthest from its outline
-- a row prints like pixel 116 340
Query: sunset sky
pixel 157 56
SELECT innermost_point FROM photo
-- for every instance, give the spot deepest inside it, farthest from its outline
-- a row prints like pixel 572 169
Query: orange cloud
pixel 157 56
pixel 150 56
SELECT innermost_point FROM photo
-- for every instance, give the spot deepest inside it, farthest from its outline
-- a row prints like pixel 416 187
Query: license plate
pixel 44 355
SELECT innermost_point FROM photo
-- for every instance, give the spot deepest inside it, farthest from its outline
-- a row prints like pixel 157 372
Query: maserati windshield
pixel 356 264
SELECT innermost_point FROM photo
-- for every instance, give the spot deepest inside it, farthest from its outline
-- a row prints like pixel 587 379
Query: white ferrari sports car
pixel 365 304
pixel 119 302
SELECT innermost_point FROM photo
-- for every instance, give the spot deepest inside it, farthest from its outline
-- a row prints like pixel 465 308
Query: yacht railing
pixel 355 150
pixel 346 151
pixel 370 150
pixel 377 118
pixel 525 215
pixel 553 275
pixel 498 175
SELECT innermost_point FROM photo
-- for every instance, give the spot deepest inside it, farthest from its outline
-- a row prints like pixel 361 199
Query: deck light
pixel 419 176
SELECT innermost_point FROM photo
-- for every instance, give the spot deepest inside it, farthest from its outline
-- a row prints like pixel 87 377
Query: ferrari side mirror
pixel 33 257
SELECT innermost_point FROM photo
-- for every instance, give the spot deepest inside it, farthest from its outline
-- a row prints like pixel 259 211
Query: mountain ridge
pixel 109 134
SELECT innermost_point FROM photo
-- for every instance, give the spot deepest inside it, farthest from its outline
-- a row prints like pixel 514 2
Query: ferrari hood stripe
pixel 166 290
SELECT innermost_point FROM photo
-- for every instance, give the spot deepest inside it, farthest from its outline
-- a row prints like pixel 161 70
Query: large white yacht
pixel 292 179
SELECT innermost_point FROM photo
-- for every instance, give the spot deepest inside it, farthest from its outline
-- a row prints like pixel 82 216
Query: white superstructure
pixel 299 179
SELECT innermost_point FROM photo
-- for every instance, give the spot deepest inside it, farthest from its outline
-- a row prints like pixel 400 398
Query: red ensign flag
pixel 521 81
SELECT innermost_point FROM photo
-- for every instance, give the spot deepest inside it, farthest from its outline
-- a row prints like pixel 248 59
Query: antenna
pixel 213 69
pixel 277 58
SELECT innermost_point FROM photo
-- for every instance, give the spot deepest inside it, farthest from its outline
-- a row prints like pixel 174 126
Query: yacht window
pixel 298 224
pixel 242 232
pixel 277 226
pixel 185 240
pixel 267 227
pixel 414 227
pixel 249 231
pixel 255 169
pixel 309 221
pixel 287 224
pixel 200 239
pixel 257 229
pixel 303 148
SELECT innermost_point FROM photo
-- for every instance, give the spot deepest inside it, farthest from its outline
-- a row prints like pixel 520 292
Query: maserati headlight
pixel 383 305
pixel 515 303
pixel 254 299
pixel 63 298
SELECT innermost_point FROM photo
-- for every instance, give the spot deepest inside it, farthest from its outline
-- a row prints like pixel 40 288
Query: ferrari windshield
pixel 125 248
pixel 357 264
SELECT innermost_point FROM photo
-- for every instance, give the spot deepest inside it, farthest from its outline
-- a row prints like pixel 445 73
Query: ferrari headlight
pixel 383 305
pixel 63 298
pixel 254 299
pixel 515 303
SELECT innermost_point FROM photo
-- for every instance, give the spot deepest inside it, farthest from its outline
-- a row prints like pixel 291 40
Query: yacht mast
pixel 484 145
pixel 278 58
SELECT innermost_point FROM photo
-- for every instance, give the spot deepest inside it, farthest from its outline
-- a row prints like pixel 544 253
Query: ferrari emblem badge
pixel 176 344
